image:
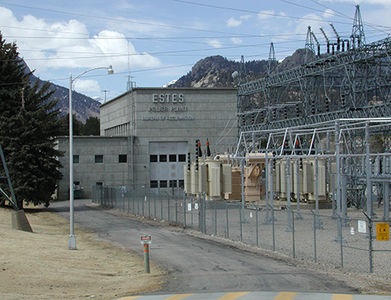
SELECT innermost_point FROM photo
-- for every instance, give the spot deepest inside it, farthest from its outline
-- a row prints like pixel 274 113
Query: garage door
pixel 166 164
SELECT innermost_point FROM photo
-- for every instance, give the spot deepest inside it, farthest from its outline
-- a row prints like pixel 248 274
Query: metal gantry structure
pixel 335 107
pixel 351 83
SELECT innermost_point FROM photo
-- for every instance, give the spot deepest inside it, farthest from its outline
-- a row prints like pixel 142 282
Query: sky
pixel 153 42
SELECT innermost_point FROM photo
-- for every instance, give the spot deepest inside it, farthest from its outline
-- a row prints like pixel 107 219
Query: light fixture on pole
pixel 72 238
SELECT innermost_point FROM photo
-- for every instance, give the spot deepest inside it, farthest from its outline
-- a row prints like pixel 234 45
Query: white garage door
pixel 166 163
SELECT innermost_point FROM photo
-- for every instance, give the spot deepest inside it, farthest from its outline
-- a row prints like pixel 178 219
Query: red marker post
pixel 146 241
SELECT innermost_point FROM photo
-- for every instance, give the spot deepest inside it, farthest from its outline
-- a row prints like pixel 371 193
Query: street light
pixel 72 238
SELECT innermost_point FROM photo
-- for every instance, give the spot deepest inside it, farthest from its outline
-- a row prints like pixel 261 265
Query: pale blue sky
pixel 157 41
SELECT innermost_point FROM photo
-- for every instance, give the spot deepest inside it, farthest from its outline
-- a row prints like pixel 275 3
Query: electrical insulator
pixel 313 108
pixel 343 101
pixel 298 112
pixel 199 149
pixel 197 152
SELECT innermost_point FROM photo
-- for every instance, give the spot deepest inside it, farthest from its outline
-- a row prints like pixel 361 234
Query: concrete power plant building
pixel 146 135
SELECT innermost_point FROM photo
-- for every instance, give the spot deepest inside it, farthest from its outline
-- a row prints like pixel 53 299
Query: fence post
pixel 227 220
pixel 293 235
pixel 370 227
pixel 204 211
pixel 215 223
pixel 168 209
pixel 256 226
pixel 200 221
pixel 241 223
pixel 340 239
pixel 370 246
pixel 176 209
pixel 149 206
pixel 184 209
pixel 273 230
pixel 315 227
pixel 154 207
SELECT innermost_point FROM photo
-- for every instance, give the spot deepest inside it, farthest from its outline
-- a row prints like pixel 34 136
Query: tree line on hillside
pixel 90 127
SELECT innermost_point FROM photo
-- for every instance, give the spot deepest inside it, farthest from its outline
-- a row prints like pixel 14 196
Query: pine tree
pixel 91 127
pixel 29 125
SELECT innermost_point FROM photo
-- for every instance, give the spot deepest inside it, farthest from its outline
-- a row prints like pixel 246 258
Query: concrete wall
pixel 89 173
pixel 134 120
pixel 173 115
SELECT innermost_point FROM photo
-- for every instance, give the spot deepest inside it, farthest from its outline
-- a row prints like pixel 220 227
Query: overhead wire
pixel 191 39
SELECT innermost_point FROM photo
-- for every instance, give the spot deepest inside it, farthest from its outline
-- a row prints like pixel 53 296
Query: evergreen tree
pixel 29 125
pixel 91 127
pixel 77 125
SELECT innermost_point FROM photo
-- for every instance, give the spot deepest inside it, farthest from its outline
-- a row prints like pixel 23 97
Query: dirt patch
pixel 39 265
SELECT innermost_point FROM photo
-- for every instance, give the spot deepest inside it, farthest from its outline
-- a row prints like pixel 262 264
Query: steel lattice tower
pixel 355 82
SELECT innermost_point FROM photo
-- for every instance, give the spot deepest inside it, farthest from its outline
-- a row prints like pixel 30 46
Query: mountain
pixel 83 107
pixel 216 71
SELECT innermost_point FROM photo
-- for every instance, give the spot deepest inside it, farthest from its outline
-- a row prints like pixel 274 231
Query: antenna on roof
pixel 130 85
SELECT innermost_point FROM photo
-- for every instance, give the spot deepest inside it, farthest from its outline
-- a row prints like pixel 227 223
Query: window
pixel 163 183
pixel 122 158
pixel 99 183
pixel 75 158
pixel 182 157
pixel 153 158
pixel 181 183
pixel 173 183
pixel 162 157
pixel 98 158
pixel 153 184
pixel 172 157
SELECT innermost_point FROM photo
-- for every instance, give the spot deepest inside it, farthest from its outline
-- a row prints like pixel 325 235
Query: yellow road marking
pixel 285 296
pixel 233 296
pixel 178 297
pixel 342 297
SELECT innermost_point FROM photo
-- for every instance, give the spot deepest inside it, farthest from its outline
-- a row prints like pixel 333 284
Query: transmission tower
pixel 358 36
pixel 309 43
pixel 272 59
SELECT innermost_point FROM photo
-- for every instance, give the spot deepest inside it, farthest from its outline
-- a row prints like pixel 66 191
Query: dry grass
pixel 39 265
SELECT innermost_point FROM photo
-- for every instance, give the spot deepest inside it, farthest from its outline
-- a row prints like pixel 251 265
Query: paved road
pixel 199 265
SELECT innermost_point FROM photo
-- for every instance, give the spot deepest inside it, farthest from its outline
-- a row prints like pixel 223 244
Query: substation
pixel 323 127
pixel 316 134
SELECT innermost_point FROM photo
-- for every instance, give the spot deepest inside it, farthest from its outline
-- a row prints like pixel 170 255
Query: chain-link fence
pixel 347 242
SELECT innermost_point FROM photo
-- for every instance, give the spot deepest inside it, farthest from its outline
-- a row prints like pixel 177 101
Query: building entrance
pixel 167 160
